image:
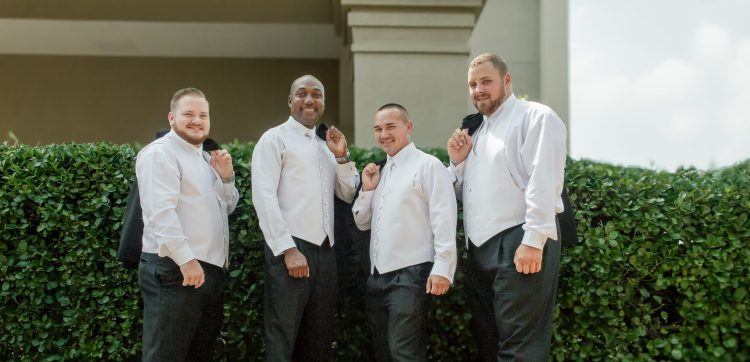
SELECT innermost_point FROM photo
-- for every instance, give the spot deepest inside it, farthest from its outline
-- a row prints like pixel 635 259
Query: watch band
pixel 228 180
pixel 344 159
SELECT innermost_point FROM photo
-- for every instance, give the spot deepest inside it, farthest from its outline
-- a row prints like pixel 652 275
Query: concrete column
pixel 553 47
pixel 412 52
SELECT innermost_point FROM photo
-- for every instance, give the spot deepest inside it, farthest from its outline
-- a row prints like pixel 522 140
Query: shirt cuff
pixel 534 238
pixel 365 198
pixel 347 169
pixel 443 269
pixel 181 255
pixel 457 170
pixel 228 190
pixel 281 245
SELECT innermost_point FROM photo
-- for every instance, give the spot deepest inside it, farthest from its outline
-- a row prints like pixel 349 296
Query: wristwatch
pixel 343 159
pixel 228 180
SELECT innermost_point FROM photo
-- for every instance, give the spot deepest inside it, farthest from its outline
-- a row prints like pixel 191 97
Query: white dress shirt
pixel 294 178
pixel 185 204
pixel 412 213
pixel 514 173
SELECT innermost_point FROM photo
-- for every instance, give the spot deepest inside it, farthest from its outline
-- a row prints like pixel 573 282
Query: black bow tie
pixel 472 122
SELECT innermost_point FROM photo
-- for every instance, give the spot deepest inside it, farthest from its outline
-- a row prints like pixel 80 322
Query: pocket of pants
pixel 168 273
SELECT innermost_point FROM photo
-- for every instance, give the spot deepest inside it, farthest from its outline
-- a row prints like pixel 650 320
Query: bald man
pixel 295 174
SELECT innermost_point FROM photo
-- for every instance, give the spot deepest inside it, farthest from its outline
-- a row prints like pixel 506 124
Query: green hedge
pixel 661 272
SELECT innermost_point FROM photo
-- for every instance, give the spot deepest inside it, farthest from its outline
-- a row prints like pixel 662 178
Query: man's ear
pixel 171 117
pixel 507 81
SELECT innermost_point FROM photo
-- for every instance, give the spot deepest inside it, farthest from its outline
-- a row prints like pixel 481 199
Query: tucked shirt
pixel 514 173
pixel 412 213
pixel 185 203
pixel 294 179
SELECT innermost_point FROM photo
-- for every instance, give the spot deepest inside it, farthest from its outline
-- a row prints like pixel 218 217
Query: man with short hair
pixel 411 208
pixel 509 174
pixel 186 195
pixel 295 174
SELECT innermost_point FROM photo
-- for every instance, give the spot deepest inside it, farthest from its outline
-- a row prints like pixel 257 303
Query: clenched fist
pixel 370 177
pixel 459 145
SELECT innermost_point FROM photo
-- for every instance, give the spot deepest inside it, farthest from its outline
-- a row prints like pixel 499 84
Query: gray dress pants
pixel 511 311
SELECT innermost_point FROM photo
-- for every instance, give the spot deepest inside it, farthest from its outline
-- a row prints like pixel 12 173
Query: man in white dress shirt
pixel 509 175
pixel 410 207
pixel 295 175
pixel 186 195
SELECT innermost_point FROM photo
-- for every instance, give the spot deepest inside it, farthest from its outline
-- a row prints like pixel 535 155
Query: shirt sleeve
pixel 231 195
pixel 456 174
pixel 543 153
pixel 158 178
pixel 266 167
pixel 347 179
pixel 441 200
pixel 362 210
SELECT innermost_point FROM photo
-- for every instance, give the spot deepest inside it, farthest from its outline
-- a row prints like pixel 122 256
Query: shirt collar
pixel 401 155
pixel 174 137
pixel 300 128
pixel 505 105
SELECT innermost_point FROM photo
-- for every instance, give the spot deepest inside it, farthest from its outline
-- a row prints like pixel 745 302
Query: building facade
pixel 94 70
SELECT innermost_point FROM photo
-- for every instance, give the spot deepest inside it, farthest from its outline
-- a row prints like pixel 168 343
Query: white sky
pixel 660 83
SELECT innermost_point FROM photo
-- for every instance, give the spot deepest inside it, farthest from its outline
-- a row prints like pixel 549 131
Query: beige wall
pixel 430 86
pixel 55 99
pixel 237 11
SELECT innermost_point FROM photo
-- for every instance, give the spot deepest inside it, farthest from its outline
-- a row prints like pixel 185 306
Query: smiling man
pixel 509 174
pixel 411 208
pixel 295 175
pixel 186 195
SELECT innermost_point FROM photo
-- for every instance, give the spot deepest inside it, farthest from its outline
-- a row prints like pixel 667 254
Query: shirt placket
pixel 325 196
pixel 469 179
pixel 387 170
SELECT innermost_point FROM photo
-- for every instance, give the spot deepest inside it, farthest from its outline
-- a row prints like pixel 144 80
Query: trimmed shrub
pixel 661 272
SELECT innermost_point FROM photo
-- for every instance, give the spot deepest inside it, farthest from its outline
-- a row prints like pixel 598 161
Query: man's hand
pixel 437 285
pixel 192 274
pixel 296 263
pixel 370 177
pixel 528 259
pixel 336 142
pixel 459 145
pixel 221 161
